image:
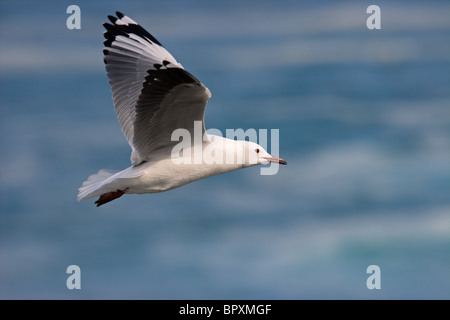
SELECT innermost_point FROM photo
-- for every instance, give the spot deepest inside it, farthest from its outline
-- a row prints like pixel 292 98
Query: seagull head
pixel 255 154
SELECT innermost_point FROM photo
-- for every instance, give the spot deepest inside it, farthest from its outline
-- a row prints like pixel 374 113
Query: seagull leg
pixel 110 196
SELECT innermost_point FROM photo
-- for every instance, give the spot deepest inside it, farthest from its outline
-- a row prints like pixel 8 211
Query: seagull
pixel 153 97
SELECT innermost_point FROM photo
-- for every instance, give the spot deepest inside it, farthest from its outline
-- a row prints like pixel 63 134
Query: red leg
pixel 109 196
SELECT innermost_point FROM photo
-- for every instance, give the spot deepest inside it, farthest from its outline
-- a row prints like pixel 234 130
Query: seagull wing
pixel 153 95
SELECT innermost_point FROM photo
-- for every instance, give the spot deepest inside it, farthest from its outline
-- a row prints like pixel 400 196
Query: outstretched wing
pixel 153 94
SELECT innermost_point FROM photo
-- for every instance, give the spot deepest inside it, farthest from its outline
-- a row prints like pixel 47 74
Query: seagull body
pixel 154 96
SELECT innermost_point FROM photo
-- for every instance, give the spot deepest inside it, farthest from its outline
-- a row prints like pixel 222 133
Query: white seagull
pixel 153 96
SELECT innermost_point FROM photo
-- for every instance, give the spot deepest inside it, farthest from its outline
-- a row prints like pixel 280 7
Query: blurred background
pixel 364 120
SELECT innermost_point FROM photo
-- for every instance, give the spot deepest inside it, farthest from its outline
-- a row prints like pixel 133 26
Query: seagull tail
pixel 92 187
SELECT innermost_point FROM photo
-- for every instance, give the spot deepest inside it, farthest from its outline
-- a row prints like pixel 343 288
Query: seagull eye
pixel 257 150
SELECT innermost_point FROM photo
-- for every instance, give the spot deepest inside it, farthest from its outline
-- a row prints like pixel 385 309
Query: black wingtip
pixel 112 19
pixel 114 30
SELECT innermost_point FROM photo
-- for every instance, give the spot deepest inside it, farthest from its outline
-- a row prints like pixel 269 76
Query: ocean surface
pixel 364 123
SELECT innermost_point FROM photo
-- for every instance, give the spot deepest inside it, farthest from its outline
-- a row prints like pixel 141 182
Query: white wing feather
pixel 153 95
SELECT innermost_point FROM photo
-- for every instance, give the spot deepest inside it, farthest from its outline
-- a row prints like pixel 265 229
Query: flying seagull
pixel 154 96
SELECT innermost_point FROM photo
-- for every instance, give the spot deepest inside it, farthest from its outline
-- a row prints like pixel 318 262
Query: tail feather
pixel 94 183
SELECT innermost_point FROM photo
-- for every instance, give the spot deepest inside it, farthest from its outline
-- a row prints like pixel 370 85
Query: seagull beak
pixel 275 160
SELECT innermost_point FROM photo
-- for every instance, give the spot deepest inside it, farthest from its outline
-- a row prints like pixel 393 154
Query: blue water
pixel 364 120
